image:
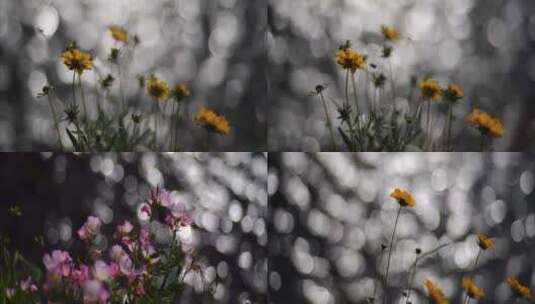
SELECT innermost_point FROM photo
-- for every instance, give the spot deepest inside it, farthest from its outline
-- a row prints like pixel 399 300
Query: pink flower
pixel 124 229
pixel 144 238
pixel 125 265
pixel 90 228
pixel 144 212
pixel 80 275
pixel 116 252
pixel 10 292
pixel 95 292
pixel 28 285
pixel 103 271
pixel 59 263
pixel 140 288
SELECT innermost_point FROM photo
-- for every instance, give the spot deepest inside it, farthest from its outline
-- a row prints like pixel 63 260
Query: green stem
pixel 73 88
pixel 390 253
pixel 375 282
pixel 83 96
pixel 411 280
pixel 428 127
pixel 56 123
pixel 450 119
pixel 467 298
pixel 121 92
pixel 177 119
pixel 347 88
pixel 353 81
pixel 156 114
pixel 329 124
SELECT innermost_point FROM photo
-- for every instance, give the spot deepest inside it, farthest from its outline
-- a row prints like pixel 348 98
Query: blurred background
pixel 331 212
pixel 226 194
pixel 486 47
pixel 216 47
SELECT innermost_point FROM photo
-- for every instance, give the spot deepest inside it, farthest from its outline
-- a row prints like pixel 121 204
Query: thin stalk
pixel 353 80
pixel 172 122
pixel 392 81
pixel 329 124
pixel 155 111
pixel 83 95
pixel 428 126
pixel 448 134
pixel 178 114
pixel 346 88
pixel 412 273
pixel 170 252
pixel 467 298
pixel 121 92
pixel 73 88
pixel 375 283
pixel 56 123
pixel 483 142
pixel 390 253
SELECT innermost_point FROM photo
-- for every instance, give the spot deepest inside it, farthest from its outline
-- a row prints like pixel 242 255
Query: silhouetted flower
pixel 118 33
pixel 390 33
pixel 485 242
pixel 518 288
pixel 212 121
pixel 435 293
pixel 472 290
pixel 485 123
pixel 76 60
pixel 430 89
pixel 157 88
pixel 404 198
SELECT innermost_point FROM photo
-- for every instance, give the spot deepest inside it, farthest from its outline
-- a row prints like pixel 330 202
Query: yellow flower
pixel 157 88
pixel 349 59
pixel 181 91
pixel 118 33
pixel 76 60
pixel 472 290
pixel 486 123
pixel 485 242
pixel 520 289
pixel 454 92
pixel 390 33
pixel 430 89
pixel 404 198
pixel 212 121
pixel 435 293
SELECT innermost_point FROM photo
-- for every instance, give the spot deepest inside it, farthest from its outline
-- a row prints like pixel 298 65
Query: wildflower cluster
pixel 376 122
pixel 115 123
pixel 434 292
pixel 135 269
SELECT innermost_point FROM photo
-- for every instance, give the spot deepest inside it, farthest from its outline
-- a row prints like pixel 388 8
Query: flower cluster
pixel 434 292
pixel 113 122
pixel 134 269
pixel 384 125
